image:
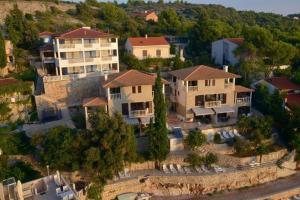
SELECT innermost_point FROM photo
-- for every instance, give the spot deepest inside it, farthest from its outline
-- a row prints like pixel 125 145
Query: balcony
pixel 89 59
pixel 138 113
pixel 106 58
pixel 115 96
pixel 228 85
pixel 212 104
pixel 193 88
pixel 105 44
pixel 67 46
pixel 243 100
pixel 75 60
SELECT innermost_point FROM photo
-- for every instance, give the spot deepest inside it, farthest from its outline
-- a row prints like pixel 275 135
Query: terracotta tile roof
pixel 283 83
pixel 7 81
pixel 238 41
pixel 45 33
pixel 293 100
pixel 129 78
pixel 47 47
pixel 202 72
pixel 142 14
pixel 147 41
pixel 95 101
pixel 239 88
pixel 82 33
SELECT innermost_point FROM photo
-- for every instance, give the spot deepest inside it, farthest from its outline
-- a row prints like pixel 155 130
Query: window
pixel 115 90
pixel 145 53
pixel 213 82
pixel 207 82
pixel 199 100
pixel 75 70
pixel 115 52
pixel 63 55
pixel 61 41
pixel 174 79
pixel 91 68
pixel 90 54
pixel 193 83
pixel 158 52
pixel 113 40
pixel 139 89
pixel 210 82
pixel 222 98
pixel 114 66
pixel 125 109
pixel 133 89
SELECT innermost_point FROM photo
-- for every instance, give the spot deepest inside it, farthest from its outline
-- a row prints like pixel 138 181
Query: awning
pixel 203 111
pixel 224 109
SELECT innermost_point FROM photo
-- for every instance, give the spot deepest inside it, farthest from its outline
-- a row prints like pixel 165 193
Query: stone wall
pixel 72 92
pixel 141 166
pixel 196 185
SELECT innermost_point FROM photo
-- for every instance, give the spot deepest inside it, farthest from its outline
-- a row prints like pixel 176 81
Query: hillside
pixel 30 7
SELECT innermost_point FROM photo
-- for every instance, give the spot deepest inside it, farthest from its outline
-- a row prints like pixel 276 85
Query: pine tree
pixel 2 52
pixel 158 132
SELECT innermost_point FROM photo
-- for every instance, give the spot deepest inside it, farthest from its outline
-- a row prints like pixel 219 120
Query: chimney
pixel 225 68
pixel 86 27
pixel 146 36
pixel 105 77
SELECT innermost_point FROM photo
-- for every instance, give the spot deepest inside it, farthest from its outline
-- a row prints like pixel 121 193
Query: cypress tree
pixel 158 132
pixel 2 52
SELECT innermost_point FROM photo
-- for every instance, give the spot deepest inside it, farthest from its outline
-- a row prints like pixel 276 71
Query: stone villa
pixel 148 47
pixel 129 93
pixel 208 95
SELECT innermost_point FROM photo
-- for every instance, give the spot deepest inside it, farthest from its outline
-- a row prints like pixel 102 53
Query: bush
pixel 210 159
pixel 195 160
pixel 196 139
pixel 217 138
pixel 242 147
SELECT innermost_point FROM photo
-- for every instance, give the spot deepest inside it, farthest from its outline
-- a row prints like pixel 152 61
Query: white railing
pixel 66 46
pixel 89 59
pixel 243 100
pixel 105 44
pixel 212 104
pixel 75 60
pixel 193 88
pixel 87 45
pixel 115 96
pixel 106 58
pixel 49 59
pixel 137 113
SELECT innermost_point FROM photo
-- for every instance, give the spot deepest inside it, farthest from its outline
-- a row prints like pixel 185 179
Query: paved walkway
pixel 247 194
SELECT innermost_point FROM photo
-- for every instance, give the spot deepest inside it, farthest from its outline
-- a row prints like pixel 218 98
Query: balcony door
pixel 125 110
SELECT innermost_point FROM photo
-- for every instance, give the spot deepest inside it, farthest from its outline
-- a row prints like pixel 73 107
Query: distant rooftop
pixel 238 41
pixel 283 83
pixel 147 41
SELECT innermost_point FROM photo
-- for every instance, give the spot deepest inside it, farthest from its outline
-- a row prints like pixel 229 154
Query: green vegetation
pixel 195 139
pixel 14 143
pixel 158 140
pixel 195 160
pixel 4 111
pixel 217 138
pixel 2 52
pixel 20 170
pixel 18 87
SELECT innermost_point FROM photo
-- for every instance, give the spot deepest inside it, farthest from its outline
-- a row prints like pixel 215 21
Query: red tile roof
pixel 147 41
pixel 83 33
pixel 95 101
pixel 45 33
pixel 142 14
pixel 129 78
pixel 202 72
pixel 283 83
pixel 239 88
pixel 293 100
pixel 7 81
pixel 238 41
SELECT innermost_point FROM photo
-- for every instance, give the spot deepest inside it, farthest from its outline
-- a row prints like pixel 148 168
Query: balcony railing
pixel 115 96
pixel 89 59
pixel 228 85
pixel 75 60
pixel 106 58
pixel 212 104
pixel 243 100
pixel 88 45
pixel 105 44
pixel 66 46
pixel 138 113
pixel 193 88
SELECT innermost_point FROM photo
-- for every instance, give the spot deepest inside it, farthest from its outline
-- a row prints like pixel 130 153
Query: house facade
pixel 147 15
pixel 222 51
pixel 129 93
pixel 208 95
pixel 80 52
pixel 148 47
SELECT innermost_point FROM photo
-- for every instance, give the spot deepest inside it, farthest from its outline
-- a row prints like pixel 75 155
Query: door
pixel 125 109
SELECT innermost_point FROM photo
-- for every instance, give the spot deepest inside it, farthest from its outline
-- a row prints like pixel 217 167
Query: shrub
pixel 210 159
pixel 194 159
pixel 195 139
pixel 217 138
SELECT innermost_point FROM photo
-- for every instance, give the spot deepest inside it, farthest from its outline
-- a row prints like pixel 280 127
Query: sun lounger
pixel 172 169
pixel 231 134
pixel 165 169
pixel 179 168
pixel 126 172
pixel 224 135
pixel 228 135
pixel 187 170
pixel 121 175
pixel 198 169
